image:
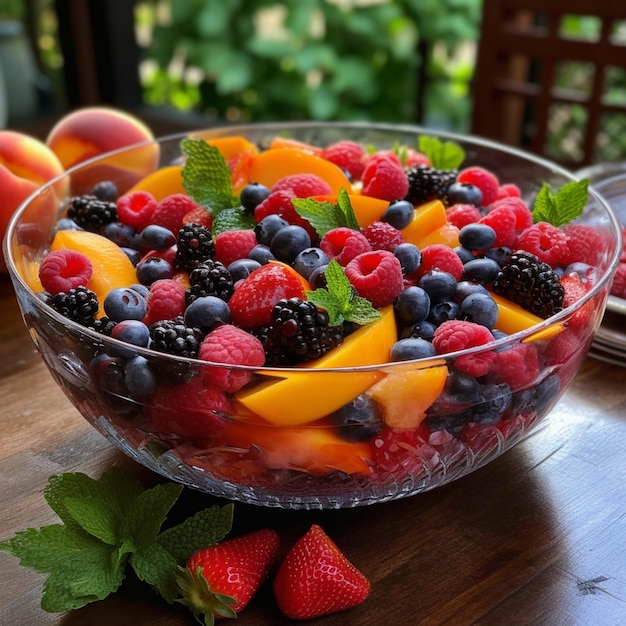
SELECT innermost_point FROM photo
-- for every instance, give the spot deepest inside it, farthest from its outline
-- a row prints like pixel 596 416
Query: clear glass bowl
pixel 312 465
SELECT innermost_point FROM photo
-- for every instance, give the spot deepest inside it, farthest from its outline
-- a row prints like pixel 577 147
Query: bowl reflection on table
pixel 312 464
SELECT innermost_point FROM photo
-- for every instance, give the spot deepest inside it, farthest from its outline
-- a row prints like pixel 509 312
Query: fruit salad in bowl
pixel 315 315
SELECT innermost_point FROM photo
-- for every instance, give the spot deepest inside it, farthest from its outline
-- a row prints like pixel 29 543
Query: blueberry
pixel 139 377
pixel 583 270
pixel 288 242
pixel 500 255
pixel 477 236
pixel 464 254
pixel 465 287
pixel 409 256
pixel 261 254
pixel 537 398
pixel 412 348
pixel 131 331
pixel 412 305
pixel 307 261
pixel 268 227
pixel 425 330
pixel 252 195
pixel 105 190
pixel 108 372
pixel 464 193
pixel 451 421
pixel 481 270
pixel 443 312
pixel 359 420
pixel 155 237
pixel 317 279
pixel 399 214
pixel 65 223
pixel 141 289
pixel 494 402
pixel 440 286
pixel 123 303
pixel 153 268
pixel 122 235
pixel 206 313
pixel 242 268
pixel 134 256
pixel 461 388
pixel 479 308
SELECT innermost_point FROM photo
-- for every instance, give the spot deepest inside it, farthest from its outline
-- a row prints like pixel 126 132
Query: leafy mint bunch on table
pixel 109 525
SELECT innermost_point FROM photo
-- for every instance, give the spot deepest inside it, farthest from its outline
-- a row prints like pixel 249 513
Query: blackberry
pixel 428 183
pixel 209 279
pixel 175 337
pixel 91 213
pixel 79 305
pixel 103 325
pixel 532 284
pixel 194 246
pixel 299 332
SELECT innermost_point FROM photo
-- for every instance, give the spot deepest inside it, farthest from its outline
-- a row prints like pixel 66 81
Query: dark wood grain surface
pixel 536 537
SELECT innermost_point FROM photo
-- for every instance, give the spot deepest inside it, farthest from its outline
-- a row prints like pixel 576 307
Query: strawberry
pixel 316 579
pixel 220 580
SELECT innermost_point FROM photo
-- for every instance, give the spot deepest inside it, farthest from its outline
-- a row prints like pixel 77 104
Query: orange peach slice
pixel 512 319
pixel 308 393
pixel 406 393
pixel 429 217
pixel 271 165
pixel 165 181
pixel 111 267
pixel 294 144
pixel 367 209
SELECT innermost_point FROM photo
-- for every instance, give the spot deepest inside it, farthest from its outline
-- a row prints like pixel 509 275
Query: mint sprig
pixel 340 300
pixel 564 206
pixel 324 216
pixel 206 176
pixel 443 155
pixel 111 524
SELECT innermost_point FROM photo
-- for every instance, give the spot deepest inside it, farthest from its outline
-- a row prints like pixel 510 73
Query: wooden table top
pixel 536 537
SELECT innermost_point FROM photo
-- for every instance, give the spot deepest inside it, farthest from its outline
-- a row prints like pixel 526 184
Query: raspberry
pixel 135 209
pixel 232 245
pixel 485 180
pixel 517 366
pixel 575 289
pixel 200 216
pixel 376 276
pixel 343 244
pixel 548 243
pixel 347 155
pixel 280 203
pixel 62 270
pixel 618 288
pixel 384 179
pixel 255 296
pixel 502 219
pixel 233 346
pixel 460 215
pixel 584 244
pixel 509 190
pixel 302 185
pixel 189 410
pixel 165 301
pixel 383 236
pixel 171 210
pixel 455 335
pixel 440 257
pixel 415 158
pixel 382 155
pixel 523 215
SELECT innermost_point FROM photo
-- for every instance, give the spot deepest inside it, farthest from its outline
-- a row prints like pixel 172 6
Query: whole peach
pixel 95 131
pixel 25 164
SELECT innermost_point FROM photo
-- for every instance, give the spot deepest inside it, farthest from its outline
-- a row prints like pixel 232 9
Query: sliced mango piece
pixel 271 165
pixel 294 144
pixel 428 217
pixel 512 318
pixel 111 267
pixel 315 449
pixel 233 146
pixel 448 235
pixel 405 394
pixel 366 208
pixel 304 396
pixel 161 183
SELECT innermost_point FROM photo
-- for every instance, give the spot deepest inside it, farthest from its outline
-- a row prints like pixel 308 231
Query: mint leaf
pixel 324 216
pixel 344 204
pixel 149 511
pixel 236 218
pixel 205 528
pixel 340 301
pixel 95 517
pixel 206 176
pixel 156 566
pixel 564 206
pixel 443 155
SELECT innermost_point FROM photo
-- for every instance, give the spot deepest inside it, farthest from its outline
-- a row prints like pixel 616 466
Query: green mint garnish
pixel 206 176
pixel 236 218
pixel 443 155
pixel 564 206
pixel 324 216
pixel 340 301
pixel 108 525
